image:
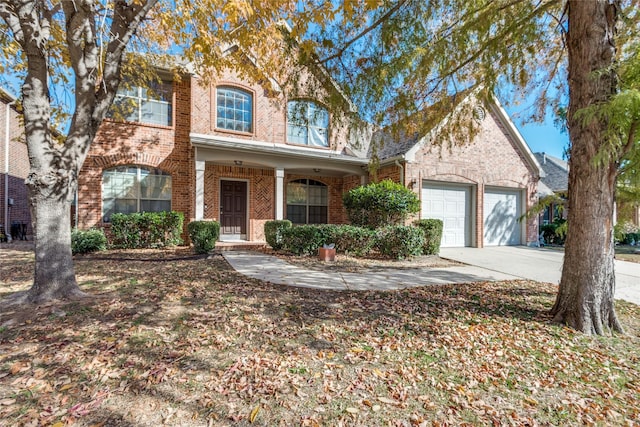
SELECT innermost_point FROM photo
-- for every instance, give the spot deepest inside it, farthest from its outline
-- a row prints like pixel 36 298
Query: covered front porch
pixel 244 183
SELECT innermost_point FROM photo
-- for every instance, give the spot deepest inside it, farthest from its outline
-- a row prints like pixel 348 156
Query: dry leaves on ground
pixel 187 341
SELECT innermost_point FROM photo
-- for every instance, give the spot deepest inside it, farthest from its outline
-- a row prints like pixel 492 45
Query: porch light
pixel 238 162
pixel 316 170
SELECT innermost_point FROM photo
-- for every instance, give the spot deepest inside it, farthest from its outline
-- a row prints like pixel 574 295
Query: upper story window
pixel 307 123
pixel 150 105
pixel 234 109
pixel 128 189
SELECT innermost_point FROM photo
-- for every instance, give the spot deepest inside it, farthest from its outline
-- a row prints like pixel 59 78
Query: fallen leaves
pixel 190 342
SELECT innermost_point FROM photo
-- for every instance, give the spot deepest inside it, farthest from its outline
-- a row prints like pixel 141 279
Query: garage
pixel 502 208
pixel 450 203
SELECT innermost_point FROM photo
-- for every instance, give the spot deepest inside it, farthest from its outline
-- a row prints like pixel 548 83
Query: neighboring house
pixel 555 181
pixel 242 154
pixel 14 161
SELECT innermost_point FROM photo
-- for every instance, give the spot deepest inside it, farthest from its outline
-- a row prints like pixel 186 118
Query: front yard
pixel 171 339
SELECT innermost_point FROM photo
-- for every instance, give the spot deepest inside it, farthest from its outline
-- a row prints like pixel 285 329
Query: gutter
pixel 397 163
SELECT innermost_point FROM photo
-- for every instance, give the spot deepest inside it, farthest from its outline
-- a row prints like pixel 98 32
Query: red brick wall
pixel 269 113
pixel 18 168
pixel 261 187
pixel 165 147
pixel 491 159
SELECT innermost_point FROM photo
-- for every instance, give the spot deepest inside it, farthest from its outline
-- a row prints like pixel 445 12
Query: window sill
pixel 148 125
pixel 235 132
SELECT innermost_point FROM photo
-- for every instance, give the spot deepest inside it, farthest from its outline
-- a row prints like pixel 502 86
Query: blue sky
pixel 544 137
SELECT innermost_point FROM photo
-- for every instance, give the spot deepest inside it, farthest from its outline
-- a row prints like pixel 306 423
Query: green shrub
pixel 203 235
pixel 92 240
pixel 273 232
pixel 380 204
pixel 432 235
pixel 400 241
pixel 554 233
pixel 146 229
pixel 354 240
pixel 626 233
pixel 306 239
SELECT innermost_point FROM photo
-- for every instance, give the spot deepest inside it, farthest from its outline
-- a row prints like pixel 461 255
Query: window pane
pixel 297 214
pixel 307 123
pixel 155 205
pixel 146 105
pixel 234 106
pixel 123 193
pixel 296 193
pixel 317 214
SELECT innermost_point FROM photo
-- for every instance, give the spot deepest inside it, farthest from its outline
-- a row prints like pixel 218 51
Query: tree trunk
pixel 585 298
pixel 54 276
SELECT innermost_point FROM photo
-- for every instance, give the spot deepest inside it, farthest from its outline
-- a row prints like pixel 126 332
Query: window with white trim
pixel 152 105
pixel 307 202
pixel 307 123
pixel 128 189
pixel 234 109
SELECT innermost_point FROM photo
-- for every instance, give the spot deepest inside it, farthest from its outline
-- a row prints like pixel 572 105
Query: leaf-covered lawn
pixel 188 341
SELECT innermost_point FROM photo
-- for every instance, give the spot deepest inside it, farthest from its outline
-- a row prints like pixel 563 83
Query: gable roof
pixel 556 172
pixel 392 146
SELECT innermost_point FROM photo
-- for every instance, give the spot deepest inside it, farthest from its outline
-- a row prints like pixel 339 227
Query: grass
pixel 190 342
pixel 628 253
pixel 623 252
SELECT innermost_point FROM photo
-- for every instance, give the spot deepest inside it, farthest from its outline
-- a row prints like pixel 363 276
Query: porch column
pixel 200 166
pixel 279 193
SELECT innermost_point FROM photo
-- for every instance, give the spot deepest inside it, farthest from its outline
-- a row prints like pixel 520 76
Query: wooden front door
pixel 233 208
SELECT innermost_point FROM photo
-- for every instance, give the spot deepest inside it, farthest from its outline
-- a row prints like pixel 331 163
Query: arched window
pixel 128 189
pixel 307 123
pixel 234 109
pixel 307 202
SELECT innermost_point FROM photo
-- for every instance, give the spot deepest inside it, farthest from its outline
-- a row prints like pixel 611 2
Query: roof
pixel 6 97
pixel 394 140
pixel 556 172
pixel 393 144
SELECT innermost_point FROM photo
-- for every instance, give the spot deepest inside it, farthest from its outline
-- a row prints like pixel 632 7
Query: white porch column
pixel 200 166
pixel 279 193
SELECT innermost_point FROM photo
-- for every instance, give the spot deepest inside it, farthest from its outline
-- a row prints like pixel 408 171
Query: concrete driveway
pixel 542 265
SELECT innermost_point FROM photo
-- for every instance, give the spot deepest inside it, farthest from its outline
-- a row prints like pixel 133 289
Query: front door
pixel 233 209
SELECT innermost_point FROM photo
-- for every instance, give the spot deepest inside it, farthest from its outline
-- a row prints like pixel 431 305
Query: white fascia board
pixel 516 135
pixel 236 144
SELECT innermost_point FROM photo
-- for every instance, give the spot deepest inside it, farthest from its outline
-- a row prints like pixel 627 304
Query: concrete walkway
pixel 272 269
pixel 542 265
pixel 487 264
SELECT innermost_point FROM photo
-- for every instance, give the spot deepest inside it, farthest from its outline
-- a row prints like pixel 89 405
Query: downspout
pixel 6 167
pixel 401 172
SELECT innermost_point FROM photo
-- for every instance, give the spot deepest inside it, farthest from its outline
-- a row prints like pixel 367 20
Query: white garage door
pixel 450 204
pixel 502 208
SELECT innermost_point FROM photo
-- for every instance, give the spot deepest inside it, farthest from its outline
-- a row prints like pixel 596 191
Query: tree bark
pixel 52 179
pixel 585 298
pixel 54 276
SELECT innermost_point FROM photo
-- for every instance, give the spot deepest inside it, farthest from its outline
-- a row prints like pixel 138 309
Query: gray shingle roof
pixel 556 172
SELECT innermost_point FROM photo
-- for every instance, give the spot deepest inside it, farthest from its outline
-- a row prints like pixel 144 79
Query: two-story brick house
pixel 242 154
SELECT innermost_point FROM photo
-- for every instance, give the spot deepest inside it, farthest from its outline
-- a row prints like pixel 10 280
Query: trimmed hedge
pixel 273 232
pixel 380 204
pixel 146 229
pixel 306 239
pixel 92 240
pixel 203 235
pixel 350 239
pixel 400 241
pixel 432 235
